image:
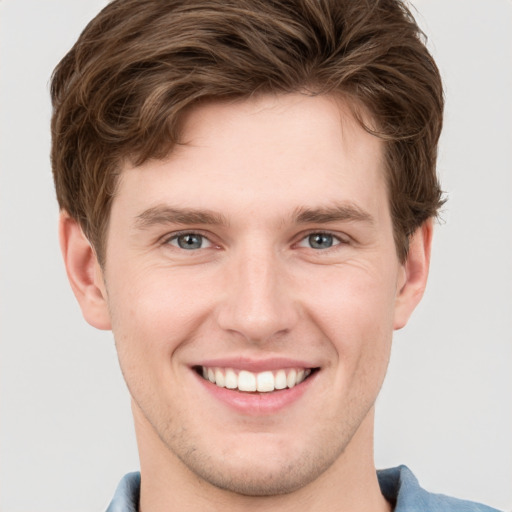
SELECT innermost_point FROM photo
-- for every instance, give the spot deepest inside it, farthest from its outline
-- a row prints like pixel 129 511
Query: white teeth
pixel 291 379
pixel 219 378
pixel 263 382
pixel 280 380
pixel 231 379
pixel 246 381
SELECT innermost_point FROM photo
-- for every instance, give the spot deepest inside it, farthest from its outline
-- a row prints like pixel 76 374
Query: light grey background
pixel 446 408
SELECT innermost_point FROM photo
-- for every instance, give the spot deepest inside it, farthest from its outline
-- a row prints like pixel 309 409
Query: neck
pixel 350 484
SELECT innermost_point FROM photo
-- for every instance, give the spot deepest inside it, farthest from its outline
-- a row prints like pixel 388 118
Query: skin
pixel 256 290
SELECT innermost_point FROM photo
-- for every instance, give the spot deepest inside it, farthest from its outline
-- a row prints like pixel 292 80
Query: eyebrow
pixel 337 213
pixel 167 215
pixel 159 215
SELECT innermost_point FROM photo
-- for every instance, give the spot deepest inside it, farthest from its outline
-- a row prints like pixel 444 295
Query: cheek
pixel 153 313
pixel 354 301
pixel 354 311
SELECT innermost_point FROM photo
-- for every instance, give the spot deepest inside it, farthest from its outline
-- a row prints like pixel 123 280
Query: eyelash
pixel 174 236
pixel 339 240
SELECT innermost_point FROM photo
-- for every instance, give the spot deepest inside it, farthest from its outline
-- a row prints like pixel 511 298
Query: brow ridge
pixel 169 215
pixel 336 213
pixel 303 215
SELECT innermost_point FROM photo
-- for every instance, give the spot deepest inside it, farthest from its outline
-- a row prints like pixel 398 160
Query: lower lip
pixel 257 404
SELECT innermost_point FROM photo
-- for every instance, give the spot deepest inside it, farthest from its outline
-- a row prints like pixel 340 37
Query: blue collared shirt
pixel 399 486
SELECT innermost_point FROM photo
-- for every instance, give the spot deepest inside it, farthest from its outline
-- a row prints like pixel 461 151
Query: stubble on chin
pixel 258 476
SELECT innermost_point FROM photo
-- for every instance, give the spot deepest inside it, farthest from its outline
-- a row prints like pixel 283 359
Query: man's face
pixel 260 253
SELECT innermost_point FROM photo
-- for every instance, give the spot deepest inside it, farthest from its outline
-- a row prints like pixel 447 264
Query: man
pixel 247 191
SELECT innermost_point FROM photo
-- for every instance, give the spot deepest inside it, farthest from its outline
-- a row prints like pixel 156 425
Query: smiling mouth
pixel 249 382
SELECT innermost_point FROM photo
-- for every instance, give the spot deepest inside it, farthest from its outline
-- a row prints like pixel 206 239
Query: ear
pixel 84 272
pixel 414 273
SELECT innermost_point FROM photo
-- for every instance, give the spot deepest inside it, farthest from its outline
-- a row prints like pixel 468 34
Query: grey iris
pixel 190 241
pixel 320 241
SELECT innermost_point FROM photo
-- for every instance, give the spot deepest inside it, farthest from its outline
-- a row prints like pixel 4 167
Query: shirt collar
pixel 126 498
pixel 398 485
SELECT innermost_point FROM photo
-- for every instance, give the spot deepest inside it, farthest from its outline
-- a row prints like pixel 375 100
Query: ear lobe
pixel 415 273
pixel 84 272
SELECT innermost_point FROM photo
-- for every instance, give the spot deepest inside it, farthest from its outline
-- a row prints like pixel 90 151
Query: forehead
pixel 266 153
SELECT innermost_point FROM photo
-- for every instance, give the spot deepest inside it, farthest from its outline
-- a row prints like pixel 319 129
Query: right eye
pixel 320 240
pixel 189 241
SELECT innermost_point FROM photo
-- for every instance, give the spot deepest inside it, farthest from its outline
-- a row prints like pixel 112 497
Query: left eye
pixel 189 241
pixel 319 241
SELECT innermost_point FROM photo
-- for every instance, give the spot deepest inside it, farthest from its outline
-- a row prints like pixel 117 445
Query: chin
pixel 265 469
pixel 260 479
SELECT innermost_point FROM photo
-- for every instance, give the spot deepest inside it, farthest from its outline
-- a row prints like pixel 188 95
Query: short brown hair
pixel 120 92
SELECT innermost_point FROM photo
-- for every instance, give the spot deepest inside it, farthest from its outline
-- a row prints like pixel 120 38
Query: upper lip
pixel 255 365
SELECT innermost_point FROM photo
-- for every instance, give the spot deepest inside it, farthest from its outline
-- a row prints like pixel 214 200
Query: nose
pixel 258 301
